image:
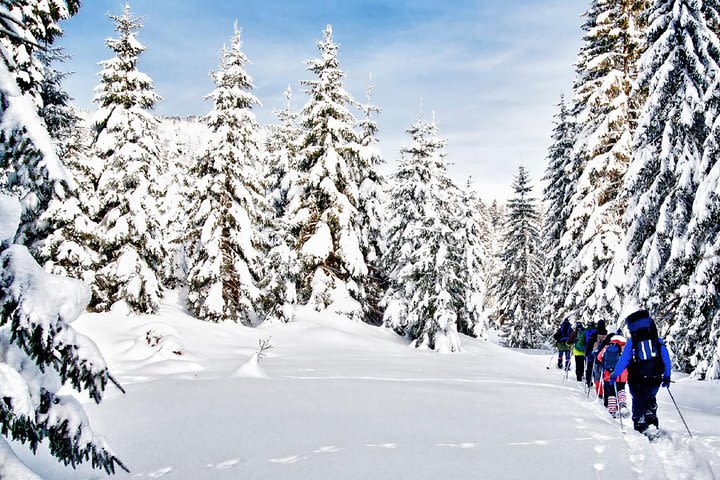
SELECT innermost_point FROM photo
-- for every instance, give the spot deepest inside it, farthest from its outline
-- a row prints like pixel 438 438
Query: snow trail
pixel 346 400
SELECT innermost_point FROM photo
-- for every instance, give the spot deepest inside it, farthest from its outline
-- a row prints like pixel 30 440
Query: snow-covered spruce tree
pixel 661 182
pixel 323 204
pixel 278 286
pixel 132 253
pixel 173 219
pixel 496 225
pixel 470 247
pixel 370 206
pixel 556 195
pixel 227 205
pixel 39 350
pixel 25 25
pixel 39 353
pixel 605 115
pixel 282 147
pixel 695 335
pixel 424 288
pixel 519 287
pixel 66 244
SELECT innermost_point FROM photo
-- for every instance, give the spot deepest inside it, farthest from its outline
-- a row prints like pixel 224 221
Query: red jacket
pixel 606 373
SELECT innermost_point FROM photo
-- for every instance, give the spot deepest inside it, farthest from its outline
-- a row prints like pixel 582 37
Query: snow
pixel 346 400
pixel 9 216
pixel 44 296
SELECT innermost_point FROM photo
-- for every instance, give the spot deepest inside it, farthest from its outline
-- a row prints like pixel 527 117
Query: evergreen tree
pixel 556 195
pixel 66 244
pixel 371 199
pixel 324 202
pixel 282 149
pixel 496 224
pixel 695 334
pixel 26 27
pixel 606 117
pixel 424 288
pixel 279 294
pixel 470 247
pixel 39 351
pixel 663 177
pixel 519 287
pixel 126 147
pixel 227 207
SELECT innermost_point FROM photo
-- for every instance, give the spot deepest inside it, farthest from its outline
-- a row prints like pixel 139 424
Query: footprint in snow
pixel 458 445
pixel 226 464
pixel 160 473
pixel 328 449
pixel 599 449
pixel 535 442
pixel 383 445
pixel 287 460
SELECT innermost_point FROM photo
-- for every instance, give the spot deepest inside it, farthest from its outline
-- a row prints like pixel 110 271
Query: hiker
pixel 648 363
pixel 608 358
pixel 602 341
pixel 577 341
pixel 562 334
pixel 591 336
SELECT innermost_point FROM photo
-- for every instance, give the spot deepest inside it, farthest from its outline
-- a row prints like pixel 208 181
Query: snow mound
pixel 156 341
pixel 250 369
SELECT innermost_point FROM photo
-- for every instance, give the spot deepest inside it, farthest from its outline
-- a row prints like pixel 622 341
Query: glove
pixel 613 379
pixel 666 381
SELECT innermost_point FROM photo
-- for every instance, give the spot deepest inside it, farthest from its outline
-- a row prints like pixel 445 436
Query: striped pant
pixel 612 402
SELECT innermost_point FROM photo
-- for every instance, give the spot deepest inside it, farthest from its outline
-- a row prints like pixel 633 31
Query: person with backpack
pixel 648 363
pixel 591 336
pixel 608 358
pixel 562 334
pixel 577 341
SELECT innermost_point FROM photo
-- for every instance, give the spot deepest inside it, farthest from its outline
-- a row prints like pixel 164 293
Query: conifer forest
pixel 332 296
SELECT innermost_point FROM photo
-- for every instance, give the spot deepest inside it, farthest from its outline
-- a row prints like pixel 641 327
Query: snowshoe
pixel 653 433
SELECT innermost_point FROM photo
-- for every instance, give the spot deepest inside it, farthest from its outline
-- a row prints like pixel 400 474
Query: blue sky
pixel 492 70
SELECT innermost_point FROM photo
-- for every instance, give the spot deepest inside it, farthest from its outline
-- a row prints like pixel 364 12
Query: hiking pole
pixel 617 399
pixel 587 396
pixel 552 355
pixel 679 412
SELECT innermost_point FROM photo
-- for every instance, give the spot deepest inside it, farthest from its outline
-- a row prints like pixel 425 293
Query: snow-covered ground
pixel 340 400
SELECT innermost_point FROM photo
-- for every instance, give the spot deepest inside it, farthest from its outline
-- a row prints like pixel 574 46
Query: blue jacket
pixel 626 357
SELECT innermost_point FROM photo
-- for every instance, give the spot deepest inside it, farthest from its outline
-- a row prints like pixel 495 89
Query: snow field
pixel 343 400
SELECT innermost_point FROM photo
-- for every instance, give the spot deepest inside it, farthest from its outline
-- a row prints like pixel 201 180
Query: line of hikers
pixel 607 362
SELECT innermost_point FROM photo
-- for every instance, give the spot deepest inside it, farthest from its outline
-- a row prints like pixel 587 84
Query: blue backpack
pixel 611 357
pixel 647 362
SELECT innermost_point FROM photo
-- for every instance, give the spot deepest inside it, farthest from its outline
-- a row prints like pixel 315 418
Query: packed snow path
pixel 338 400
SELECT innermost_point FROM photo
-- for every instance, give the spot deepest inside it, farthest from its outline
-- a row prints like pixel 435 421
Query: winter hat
pixel 601 326
pixel 619 339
